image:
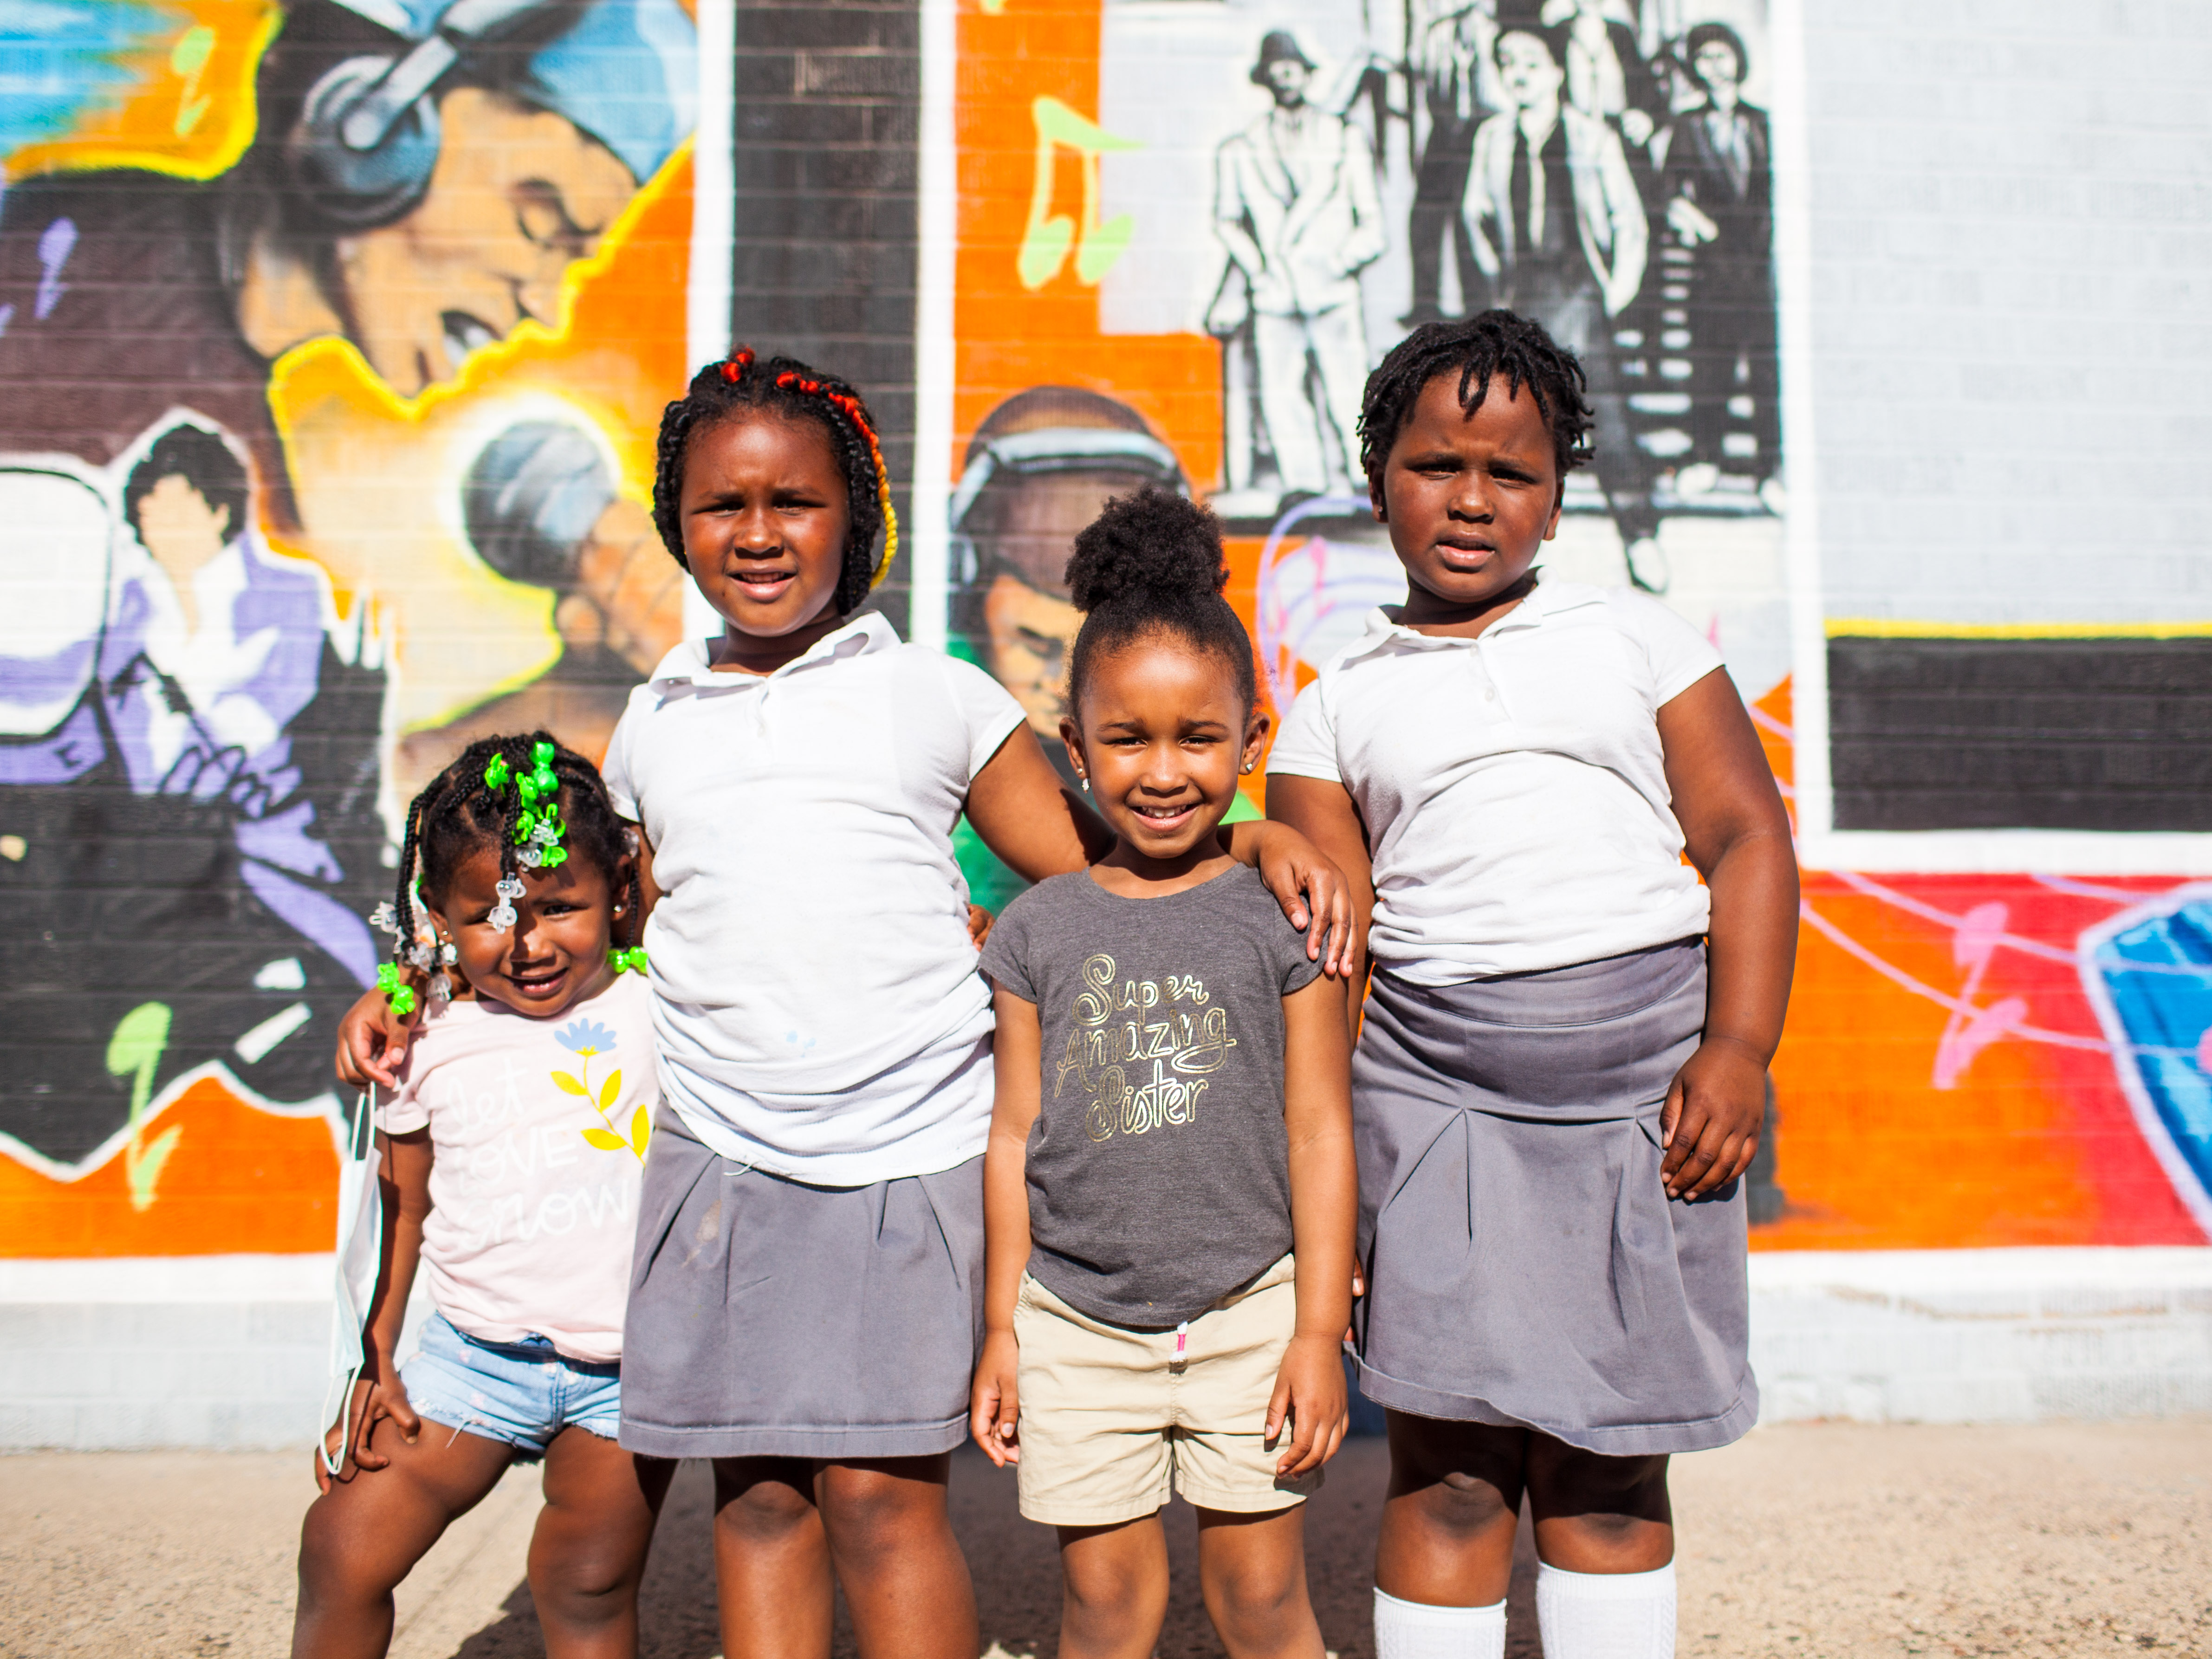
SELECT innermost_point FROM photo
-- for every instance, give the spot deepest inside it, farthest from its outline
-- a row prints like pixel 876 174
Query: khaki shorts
pixel 1110 1418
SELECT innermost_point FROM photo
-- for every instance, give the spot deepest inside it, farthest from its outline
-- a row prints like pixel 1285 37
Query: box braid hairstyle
pixel 1477 348
pixel 1151 563
pixel 787 387
pixel 458 815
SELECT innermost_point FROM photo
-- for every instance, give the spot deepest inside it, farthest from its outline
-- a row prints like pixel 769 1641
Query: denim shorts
pixel 523 1392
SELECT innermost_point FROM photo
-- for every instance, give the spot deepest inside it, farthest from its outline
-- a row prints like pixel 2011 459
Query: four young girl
pixel 1168 1195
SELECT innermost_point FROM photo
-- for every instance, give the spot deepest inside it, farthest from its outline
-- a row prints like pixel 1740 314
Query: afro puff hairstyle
pixel 1151 563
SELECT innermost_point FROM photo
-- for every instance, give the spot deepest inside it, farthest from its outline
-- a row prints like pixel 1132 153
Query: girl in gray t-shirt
pixel 1168 1192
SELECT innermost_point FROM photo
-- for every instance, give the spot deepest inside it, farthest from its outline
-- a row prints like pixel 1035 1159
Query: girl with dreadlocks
pixel 807 1295
pixel 1562 1070
pixel 512 1158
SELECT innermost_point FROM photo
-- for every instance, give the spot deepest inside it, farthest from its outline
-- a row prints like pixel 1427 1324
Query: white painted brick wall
pixel 2010 216
pixel 227 1352
pixel 1955 1336
pixel 236 1359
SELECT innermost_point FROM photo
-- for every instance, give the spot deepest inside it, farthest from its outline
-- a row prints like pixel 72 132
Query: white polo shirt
pixel 1512 785
pixel 819 1013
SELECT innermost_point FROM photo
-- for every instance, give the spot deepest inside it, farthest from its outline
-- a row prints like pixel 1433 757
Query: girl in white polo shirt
pixel 1562 1070
pixel 806 1298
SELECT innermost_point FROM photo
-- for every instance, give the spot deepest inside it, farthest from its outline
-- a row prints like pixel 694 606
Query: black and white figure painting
pixel 1310 179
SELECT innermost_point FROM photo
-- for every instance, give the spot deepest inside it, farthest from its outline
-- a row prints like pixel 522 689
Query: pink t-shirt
pixel 539 1129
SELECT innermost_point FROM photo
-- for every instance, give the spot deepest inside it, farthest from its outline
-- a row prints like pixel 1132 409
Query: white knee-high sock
pixel 1606 1615
pixel 1414 1630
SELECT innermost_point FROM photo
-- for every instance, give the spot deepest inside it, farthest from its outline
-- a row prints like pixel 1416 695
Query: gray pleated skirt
pixel 767 1318
pixel 1524 1265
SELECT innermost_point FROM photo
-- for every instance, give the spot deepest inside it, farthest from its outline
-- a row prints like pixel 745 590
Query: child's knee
pixel 1585 1486
pixel 1255 1603
pixel 335 1571
pixel 871 1512
pixel 589 1590
pixel 1464 1506
pixel 764 1512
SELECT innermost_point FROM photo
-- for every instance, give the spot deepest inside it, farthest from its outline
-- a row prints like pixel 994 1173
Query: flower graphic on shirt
pixel 585 1039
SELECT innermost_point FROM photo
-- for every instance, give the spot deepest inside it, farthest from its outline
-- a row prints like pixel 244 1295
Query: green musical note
pixel 133 1052
pixel 1046 241
pixel 189 59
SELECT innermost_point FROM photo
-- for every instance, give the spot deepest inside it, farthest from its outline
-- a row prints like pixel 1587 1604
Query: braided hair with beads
pixel 479 802
pixel 743 383
pixel 1478 349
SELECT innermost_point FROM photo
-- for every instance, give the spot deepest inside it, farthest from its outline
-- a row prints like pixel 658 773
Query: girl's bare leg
pixel 1453 1503
pixel 905 1580
pixel 587 1554
pixel 1598 1514
pixel 1252 1568
pixel 1115 1590
pixel 364 1535
pixel 771 1559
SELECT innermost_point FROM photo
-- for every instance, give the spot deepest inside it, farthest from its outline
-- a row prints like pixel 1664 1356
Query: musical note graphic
pixel 1971 1029
pixel 189 58
pixel 133 1052
pixel 1046 242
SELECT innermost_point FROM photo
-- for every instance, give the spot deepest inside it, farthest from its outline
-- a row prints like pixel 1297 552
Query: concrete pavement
pixel 1830 1540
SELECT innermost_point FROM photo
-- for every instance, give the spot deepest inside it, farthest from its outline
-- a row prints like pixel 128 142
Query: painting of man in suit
pixel 1718 188
pixel 1295 205
pixel 1559 229
pixel 1451 62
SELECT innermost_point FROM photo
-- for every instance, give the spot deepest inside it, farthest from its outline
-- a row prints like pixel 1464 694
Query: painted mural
pixel 333 336
pixel 1188 230
pixel 328 340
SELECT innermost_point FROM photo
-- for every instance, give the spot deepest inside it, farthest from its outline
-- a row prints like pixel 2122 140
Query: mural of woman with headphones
pixel 415 177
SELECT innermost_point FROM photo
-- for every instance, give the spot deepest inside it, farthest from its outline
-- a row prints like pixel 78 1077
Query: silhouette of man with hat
pixel 1295 205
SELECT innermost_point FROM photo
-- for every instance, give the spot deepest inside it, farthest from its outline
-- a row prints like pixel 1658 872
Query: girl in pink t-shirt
pixel 512 1154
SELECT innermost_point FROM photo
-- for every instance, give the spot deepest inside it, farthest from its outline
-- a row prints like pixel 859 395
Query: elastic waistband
pixel 1581 993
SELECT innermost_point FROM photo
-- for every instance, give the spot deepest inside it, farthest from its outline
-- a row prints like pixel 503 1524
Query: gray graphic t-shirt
pixel 1158 1168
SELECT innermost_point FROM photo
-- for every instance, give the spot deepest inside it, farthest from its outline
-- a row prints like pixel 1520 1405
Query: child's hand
pixel 1310 1393
pixel 373 1043
pixel 373 1399
pixel 978 925
pixel 993 1405
pixel 1715 1108
pixel 1298 875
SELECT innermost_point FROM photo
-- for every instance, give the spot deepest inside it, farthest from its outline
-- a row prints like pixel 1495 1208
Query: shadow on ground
pixel 1017 1571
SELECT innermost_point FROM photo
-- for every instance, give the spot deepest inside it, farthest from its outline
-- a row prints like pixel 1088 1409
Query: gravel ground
pixel 1829 1540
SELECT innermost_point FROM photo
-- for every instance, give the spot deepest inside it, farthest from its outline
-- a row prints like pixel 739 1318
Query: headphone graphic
pixel 1050 449
pixel 367 140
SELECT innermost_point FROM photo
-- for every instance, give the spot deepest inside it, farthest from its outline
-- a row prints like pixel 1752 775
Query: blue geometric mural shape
pixel 2157 977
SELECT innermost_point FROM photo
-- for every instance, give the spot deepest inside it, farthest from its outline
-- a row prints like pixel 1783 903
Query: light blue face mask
pixel 359 1257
